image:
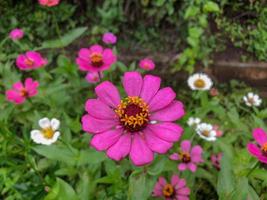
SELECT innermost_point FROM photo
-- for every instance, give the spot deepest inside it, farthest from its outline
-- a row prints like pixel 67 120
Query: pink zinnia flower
pixel 49 3
pixel 16 34
pixel 109 38
pixel 93 77
pixel 95 59
pixel 216 159
pixel 20 92
pixel 189 157
pixel 219 132
pixel 176 190
pixel 259 151
pixel 30 60
pixel 147 64
pixel 138 125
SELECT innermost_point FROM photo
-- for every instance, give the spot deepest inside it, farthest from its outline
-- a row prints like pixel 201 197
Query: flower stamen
pixel 199 83
pixel 133 113
pixel 264 148
pixel 185 157
pixel 168 190
pixel 48 132
pixel 96 59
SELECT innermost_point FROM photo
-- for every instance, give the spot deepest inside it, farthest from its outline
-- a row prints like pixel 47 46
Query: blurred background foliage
pixel 193 31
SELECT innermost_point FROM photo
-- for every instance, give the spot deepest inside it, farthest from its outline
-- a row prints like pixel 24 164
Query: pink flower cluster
pixel 20 92
pixel 49 3
pixel 259 150
pixel 16 34
pixel 30 60
pixel 147 64
pixel 139 125
pixel 188 157
pixel 176 190
pixel 109 38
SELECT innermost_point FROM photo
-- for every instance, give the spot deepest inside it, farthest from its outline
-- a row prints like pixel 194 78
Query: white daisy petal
pixel 36 136
pixel 55 123
pixel 44 123
pixel 199 81
pixel 252 99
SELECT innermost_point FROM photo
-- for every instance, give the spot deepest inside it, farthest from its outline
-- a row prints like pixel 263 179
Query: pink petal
pixel 108 57
pixel 260 136
pixel 96 48
pixel 18 86
pixel 31 86
pixel 254 150
pixel 156 144
pixel 181 184
pixel 132 83
pixel 263 159
pixel 140 154
pixel 167 131
pixel 162 181
pixel 121 148
pixel 108 94
pixel 182 166
pixel 103 141
pixel 183 191
pixel 196 154
pixel 192 166
pixel 14 96
pixel 93 125
pixel 157 191
pixel 99 110
pixel 172 112
pixel 179 197
pixel 84 54
pixel 175 180
pixel 174 156
pixel 186 146
pixel 163 98
pixel 150 87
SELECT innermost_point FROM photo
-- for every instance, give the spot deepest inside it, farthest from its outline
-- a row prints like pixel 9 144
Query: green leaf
pixel 140 186
pixel 191 11
pixel 225 185
pixel 211 7
pixel 58 153
pixel 61 191
pixel 65 40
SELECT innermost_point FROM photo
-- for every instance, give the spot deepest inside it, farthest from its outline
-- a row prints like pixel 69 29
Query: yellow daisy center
pixel 199 83
pixel 48 132
pixel 133 113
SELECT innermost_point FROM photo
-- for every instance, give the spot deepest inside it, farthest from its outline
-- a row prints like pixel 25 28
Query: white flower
pixel 199 81
pixel 252 99
pixel 206 131
pixel 48 133
pixel 193 121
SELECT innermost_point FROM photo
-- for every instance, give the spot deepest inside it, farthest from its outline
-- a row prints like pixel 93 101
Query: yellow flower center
pixel 96 59
pixel 206 133
pixel 185 157
pixel 199 83
pixel 168 190
pixel 48 132
pixel 133 113
pixel 29 62
pixel 264 148
pixel 23 92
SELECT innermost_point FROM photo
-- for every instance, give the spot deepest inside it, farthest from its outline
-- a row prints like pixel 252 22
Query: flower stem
pixel 253 168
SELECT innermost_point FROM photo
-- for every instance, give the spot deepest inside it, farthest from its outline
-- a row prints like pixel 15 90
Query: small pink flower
pixel 30 60
pixel 49 3
pixel 95 59
pixel 176 190
pixel 93 77
pixel 219 133
pixel 189 157
pixel 259 151
pixel 109 38
pixel 20 92
pixel 16 34
pixel 138 125
pixel 214 92
pixel 147 64
pixel 216 159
